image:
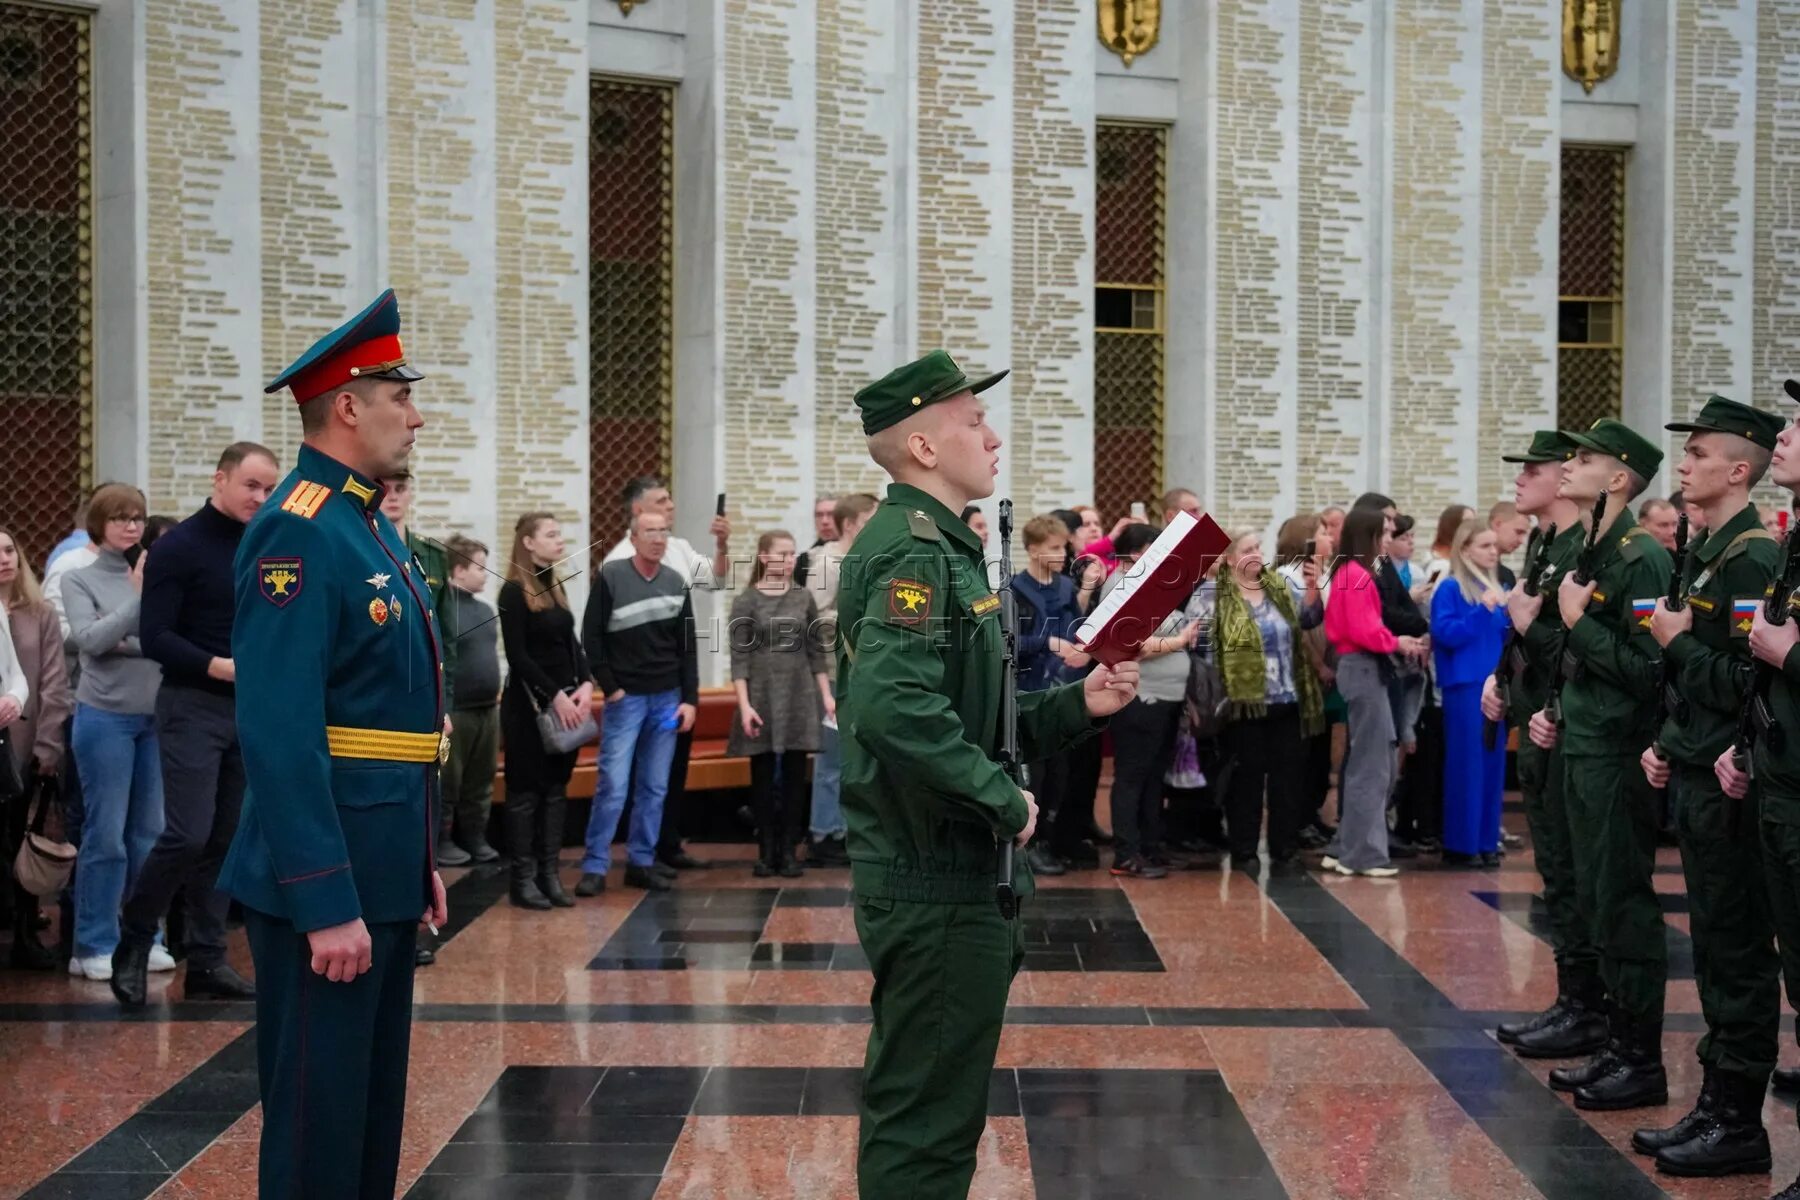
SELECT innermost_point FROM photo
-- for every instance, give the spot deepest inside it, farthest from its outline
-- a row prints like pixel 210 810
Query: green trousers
pixel 1734 947
pixel 1612 831
pixel 942 972
pixel 331 1058
pixel 1571 927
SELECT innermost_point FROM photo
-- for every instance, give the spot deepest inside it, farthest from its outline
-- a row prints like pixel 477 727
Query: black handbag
pixel 1208 707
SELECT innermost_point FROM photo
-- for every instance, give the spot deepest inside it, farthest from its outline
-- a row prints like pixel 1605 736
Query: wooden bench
pixel 710 768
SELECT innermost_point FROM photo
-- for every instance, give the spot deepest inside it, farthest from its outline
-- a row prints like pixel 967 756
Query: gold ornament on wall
pixel 1130 27
pixel 625 6
pixel 1590 40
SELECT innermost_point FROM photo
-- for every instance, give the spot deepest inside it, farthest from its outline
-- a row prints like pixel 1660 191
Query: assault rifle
pixel 1512 654
pixel 1668 700
pixel 1008 749
pixel 1584 575
pixel 1754 718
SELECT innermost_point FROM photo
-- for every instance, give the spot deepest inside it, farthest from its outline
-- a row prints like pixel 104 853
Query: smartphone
pixel 1312 548
pixel 1137 511
pixel 132 554
pixel 719 505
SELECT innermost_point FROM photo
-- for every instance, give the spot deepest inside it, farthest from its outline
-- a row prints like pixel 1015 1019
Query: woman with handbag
pixel 1272 696
pixel 36 735
pixel 778 669
pixel 1363 643
pixel 546 709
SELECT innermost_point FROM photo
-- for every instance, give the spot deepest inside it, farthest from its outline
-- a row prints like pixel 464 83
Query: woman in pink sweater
pixel 1354 627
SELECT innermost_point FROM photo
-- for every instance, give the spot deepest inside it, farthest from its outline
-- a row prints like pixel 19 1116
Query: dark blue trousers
pixel 332 1062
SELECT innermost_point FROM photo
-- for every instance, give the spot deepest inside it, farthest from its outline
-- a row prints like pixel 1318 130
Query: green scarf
pixel 1240 652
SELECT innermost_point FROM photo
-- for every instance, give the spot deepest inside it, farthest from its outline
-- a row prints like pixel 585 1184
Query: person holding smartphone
pixel 114 735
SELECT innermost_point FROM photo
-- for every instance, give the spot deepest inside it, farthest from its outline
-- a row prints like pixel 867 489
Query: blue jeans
pixel 121 781
pixel 827 813
pixel 640 728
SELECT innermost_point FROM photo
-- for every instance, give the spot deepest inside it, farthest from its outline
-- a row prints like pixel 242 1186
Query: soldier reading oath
pixel 919 662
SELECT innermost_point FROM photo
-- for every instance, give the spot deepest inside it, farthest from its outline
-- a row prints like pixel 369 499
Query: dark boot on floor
pixel 521 852
pixel 1732 1142
pixel 644 877
pixel 767 857
pixel 131 972
pixel 827 852
pixel 215 983
pixel 1649 1141
pixel 1636 1078
pixel 449 854
pixel 787 865
pixel 1579 1030
pixel 1785 1080
pixel 1569 1079
pixel 1509 1031
pixel 549 852
pixel 479 850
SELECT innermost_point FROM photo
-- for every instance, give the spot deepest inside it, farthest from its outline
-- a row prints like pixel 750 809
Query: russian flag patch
pixel 1743 615
pixel 1641 611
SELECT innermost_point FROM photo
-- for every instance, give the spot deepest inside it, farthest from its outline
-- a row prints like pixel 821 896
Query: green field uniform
pixel 1734 954
pixel 920 658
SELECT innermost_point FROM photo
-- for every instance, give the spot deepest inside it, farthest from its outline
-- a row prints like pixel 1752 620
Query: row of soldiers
pixel 1630 672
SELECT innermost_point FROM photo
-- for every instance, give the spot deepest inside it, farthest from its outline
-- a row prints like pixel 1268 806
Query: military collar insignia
pixel 378 580
pixel 363 493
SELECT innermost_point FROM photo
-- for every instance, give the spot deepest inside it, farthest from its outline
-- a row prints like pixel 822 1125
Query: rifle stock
pixel 1667 700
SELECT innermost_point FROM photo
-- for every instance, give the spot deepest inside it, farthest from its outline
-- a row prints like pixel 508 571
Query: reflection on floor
pixel 1213 1034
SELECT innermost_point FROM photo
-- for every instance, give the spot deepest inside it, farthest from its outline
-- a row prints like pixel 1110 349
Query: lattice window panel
pixel 46 271
pixel 1591 269
pixel 631 290
pixel 1130 220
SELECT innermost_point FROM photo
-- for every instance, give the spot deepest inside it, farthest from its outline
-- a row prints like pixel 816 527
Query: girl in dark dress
pixel 546 669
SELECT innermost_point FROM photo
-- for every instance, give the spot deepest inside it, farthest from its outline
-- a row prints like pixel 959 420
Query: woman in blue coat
pixel 1468 626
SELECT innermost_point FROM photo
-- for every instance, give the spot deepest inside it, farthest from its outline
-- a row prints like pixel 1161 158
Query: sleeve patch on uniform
pixel 305 500
pixel 909 601
pixel 985 605
pixel 1641 612
pixel 1743 615
pixel 278 579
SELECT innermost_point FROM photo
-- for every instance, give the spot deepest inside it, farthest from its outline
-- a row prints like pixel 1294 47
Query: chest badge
pixel 985 605
pixel 394 607
pixel 378 611
pixel 378 580
pixel 278 579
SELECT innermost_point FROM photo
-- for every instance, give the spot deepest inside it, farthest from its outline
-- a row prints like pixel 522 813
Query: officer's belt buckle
pixel 443 754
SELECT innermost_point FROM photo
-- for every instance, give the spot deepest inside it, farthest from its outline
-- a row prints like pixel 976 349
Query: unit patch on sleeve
pixel 278 579
pixel 909 602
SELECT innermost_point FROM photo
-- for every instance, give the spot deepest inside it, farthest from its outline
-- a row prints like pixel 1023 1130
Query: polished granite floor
pixel 1207 1035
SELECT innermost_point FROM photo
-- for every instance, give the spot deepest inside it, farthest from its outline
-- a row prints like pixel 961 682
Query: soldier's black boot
pixel 131 971
pixel 1580 1029
pixel 1731 1142
pixel 1649 1141
pixel 1785 1080
pixel 768 855
pixel 521 849
pixel 549 850
pixel 1509 1032
pixel 1569 1079
pixel 1636 1078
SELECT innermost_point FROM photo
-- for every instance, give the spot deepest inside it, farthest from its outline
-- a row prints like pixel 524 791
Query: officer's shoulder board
pixel 1632 546
pixel 922 526
pixel 306 499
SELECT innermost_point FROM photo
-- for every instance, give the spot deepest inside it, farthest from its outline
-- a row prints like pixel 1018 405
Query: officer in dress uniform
pixel 1576 1023
pixel 1770 792
pixel 919 664
pixel 1727 569
pixel 1609 708
pixel 340 713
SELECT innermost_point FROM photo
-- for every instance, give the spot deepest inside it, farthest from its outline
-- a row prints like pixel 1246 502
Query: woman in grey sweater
pixel 114 737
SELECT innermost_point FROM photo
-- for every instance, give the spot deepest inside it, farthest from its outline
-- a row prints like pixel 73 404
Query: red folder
pixel 1161 581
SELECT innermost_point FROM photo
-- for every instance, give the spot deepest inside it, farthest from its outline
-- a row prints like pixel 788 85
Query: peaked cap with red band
pixel 367 346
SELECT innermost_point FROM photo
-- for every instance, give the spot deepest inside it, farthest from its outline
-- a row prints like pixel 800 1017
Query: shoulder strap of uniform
pixel 1741 543
pixel 1633 545
pixel 922 526
pixel 306 499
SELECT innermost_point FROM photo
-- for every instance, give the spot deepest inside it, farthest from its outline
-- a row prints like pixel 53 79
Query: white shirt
pixel 72 560
pixel 12 676
pixel 681 557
